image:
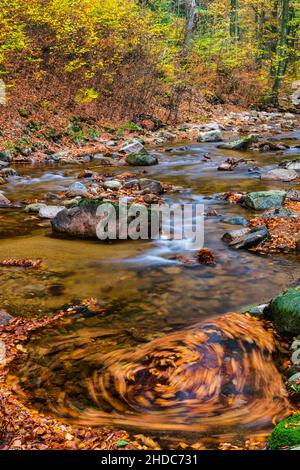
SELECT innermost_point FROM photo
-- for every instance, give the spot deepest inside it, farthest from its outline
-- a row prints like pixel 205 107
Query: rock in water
pixel 5 318
pixel 77 189
pixel 246 238
pixel 280 175
pixel 133 147
pixel 49 212
pixel 4 202
pixel 291 164
pixel 113 185
pixel 237 220
pixel 82 221
pixel 284 311
pixel 141 159
pixel 150 186
pixel 239 144
pixel 210 136
pixel 262 200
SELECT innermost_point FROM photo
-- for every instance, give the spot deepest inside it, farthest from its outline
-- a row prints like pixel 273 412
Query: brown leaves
pixel 22 263
pixel 206 256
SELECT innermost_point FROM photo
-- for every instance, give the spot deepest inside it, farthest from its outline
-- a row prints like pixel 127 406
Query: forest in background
pixel 118 59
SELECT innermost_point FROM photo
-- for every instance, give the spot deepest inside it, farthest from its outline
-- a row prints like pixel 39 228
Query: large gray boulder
pixel 262 200
pixel 279 174
pixel 210 136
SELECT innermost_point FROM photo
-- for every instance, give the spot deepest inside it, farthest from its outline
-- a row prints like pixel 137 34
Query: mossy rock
pixel 141 159
pixel 262 200
pixel 284 311
pixel 286 434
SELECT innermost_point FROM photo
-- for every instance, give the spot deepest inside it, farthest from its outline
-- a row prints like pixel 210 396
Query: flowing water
pixel 158 356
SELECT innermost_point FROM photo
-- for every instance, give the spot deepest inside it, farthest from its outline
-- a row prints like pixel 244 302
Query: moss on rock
pixel 286 434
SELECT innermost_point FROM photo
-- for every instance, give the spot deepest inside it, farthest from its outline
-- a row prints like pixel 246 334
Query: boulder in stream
pixel 4 202
pixel 284 311
pixel 148 186
pixel 262 200
pixel 239 144
pixel 83 220
pixel 141 159
pixel 210 136
pixel 280 174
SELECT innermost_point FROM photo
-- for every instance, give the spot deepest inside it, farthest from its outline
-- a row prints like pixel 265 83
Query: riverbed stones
pixel 113 185
pixel 291 164
pixel 141 159
pixel 49 212
pixel 239 144
pixel 280 174
pixel 284 311
pixel 5 156
pixel 34 207
pixel 237 220
pixel 148 186
pixel 262 200
pixel 279 213
pixel 5 317
pixel 134 147
pixel 252 238
pixel 210 136
pixel 77 189
pixel 293 195
pixel 4 202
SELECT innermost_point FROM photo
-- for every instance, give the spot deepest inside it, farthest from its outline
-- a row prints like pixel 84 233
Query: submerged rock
pixel 236 221
pixel 262 200
pixel 280 175
pixel 141 159
pixel 239 144
pixel 284 311
pixel 4 202
pixel 210 136
pixel 5 317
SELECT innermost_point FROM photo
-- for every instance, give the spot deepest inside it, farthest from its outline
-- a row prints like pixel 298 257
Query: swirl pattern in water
pixel 214 377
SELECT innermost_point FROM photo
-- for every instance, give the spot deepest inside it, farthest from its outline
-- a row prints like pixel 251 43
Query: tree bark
pixel 282 53
pixel 234 19
pixel 191 20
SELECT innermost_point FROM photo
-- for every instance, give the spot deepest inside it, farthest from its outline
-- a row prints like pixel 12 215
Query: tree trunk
pixel 191 20
pixel 282 52
pixel 234 19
